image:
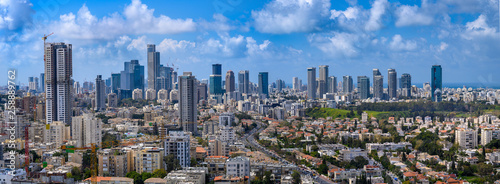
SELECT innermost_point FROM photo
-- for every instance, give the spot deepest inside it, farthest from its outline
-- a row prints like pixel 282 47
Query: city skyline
pixel 462 38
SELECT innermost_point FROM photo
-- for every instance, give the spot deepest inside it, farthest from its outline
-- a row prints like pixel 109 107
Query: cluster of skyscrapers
pixel 318 87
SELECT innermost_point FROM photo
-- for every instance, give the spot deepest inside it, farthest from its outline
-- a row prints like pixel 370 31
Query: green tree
pixel 267 177
pixel 172 163
pixel 323 168
pixel 136 176
pixel 296 177
pixel 159 173
pixel 484 169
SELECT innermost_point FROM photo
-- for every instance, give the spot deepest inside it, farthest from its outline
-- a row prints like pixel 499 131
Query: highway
pixel 249 140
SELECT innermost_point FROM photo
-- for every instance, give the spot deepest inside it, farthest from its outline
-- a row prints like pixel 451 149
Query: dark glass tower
pixel 436 82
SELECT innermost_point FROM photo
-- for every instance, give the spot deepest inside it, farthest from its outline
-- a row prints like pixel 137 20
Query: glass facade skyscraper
pixel 436 82
pixel 264 83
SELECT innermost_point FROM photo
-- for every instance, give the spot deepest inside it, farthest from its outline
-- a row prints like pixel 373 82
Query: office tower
pixel 332 86
pixel 164 80
pixel 132 76
pixel 363 87
pixel 153 66
pixel 280 84
pixel 295 84
pixel 392 83
pixel 112 100
pixel 323 80
pixel 86 130
pixel 244 81
pixel 406 85
pixel 115 82
pixel 188 103
pixel 264 83
pixel 100 94
pixel 58 71
pixel 216 80
pixel 378 84
pixel 42 82
pixel 311 83
pixel 436 82
pixel 348 84
pixel 230 83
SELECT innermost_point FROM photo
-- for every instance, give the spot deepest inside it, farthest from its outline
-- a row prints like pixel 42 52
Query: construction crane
pixel 94 161
pixel 45 37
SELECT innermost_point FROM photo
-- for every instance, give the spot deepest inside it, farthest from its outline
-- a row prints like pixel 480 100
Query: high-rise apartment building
pixel 363 87
pixel 230 83
pixel 86 130
pixel 153 66
pixel 378 84
pixel 332 84
pixel 295 84
pixel 177 143
pixel 58 73
pixel 113 162
pixel 466 138
pixel 188 103
pixel 406 85
pixel 348 84
pixel 392 80
pixel 323 80
pixel 311 83
pixel 100 94
pixel 244 81
pixel 436 82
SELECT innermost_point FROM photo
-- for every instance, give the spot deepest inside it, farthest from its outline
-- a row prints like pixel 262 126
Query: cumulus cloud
pixel 411 16
pixel 398 44
pixel 15 14
pixel 170 45
pixel 479 28
pixel 138 44
pixel 339 44
pixel 289 16
pixel 220 23
pixel 376 12
pixel 136 18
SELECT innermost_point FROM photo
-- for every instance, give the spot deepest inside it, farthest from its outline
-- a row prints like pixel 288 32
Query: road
pixel 249 140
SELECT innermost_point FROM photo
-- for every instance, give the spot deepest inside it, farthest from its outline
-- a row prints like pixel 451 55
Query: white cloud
pixel 136 19
pixel 289 16
pixel 479 28
pixel 173 45
pixel 138 44
pixel 220 23
pixel 340 44
pixel 349 13
pixel 376 12
pixel 398 44
pixel 443 46
pixel 15 14
pixel 411 15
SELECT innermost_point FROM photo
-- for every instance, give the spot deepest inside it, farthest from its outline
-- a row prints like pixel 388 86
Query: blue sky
pixel 282 37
